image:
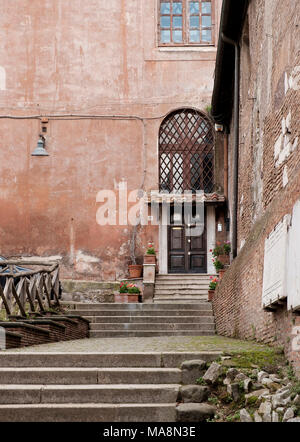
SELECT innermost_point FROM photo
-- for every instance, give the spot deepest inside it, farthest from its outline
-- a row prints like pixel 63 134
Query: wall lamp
pixel 40 150
pixel 219 128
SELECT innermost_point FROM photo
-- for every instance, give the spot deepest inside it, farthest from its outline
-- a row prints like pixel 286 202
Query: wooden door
pixel 187 254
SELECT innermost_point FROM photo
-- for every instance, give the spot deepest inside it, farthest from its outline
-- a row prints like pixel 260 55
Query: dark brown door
pixel 187 254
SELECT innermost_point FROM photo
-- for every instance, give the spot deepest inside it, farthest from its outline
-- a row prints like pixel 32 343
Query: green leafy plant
pixel 125 287
pixel 217 251
pixel 227 247
pixel 221 249
pixel 213 283
pixel 218 265
pixel 200 381
pixel 234 417
pixel 150 251
pixel 134 289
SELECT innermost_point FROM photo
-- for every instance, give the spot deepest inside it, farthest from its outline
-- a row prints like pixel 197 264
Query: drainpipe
pixel 226 165
pixel 236 140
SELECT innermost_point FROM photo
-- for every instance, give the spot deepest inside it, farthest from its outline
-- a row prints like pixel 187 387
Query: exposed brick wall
pixel 268 188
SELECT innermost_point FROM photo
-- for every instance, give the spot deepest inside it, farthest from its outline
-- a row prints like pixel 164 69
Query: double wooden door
pixel 187 253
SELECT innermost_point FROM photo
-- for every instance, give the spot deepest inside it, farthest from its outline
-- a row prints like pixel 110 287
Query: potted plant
pixel 218 265
pixel 127 293
pixel 221 252
pixel 150 256
pixel 212 287
pixel 135 270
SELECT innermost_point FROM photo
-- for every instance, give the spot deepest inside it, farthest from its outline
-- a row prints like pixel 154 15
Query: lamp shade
pixel 40 150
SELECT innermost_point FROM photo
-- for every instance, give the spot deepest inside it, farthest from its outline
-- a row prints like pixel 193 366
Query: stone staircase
pixel 187 288
pixel 147 320
pixel 91 387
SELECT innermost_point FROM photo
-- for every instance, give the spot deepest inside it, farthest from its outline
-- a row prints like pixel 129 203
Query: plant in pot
pixel 218 265
pixel 221 252
pixel 135 270
pixel 150 256
pixel 212 287
pixel 127 293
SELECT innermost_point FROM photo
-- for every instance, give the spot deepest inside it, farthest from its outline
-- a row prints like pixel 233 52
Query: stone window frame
pixel 186 27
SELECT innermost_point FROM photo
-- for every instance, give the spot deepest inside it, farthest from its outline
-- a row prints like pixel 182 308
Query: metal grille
pixel 186 152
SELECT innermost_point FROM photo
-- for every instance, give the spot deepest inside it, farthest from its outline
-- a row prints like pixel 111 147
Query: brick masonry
pixel 41 331
pixel 269 169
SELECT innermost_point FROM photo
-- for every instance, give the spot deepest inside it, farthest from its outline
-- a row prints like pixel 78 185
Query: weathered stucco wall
pixel 85 58
pixel 269 173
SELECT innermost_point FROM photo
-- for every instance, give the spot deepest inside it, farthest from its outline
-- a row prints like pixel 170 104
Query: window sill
pixel 187 49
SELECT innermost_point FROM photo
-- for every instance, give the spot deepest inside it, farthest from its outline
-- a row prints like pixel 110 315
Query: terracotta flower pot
pixel 135 271
pixel 126 297
pixel 149 259
pixel 224 259
pixel 210 295
pixel 221 273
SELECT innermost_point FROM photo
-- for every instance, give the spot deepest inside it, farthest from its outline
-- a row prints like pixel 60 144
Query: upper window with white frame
pixel 185 22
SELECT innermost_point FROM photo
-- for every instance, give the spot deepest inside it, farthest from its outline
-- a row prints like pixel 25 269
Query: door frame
pixel 186 249
pixel 210 222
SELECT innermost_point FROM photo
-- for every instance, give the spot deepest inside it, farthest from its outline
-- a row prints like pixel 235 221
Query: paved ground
pixel 171 343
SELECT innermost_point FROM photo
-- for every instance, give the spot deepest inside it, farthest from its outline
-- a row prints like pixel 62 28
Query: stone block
pixel 213 373
pixel 194 393
pixel 192 370
pixel 194 412
pixel 245 416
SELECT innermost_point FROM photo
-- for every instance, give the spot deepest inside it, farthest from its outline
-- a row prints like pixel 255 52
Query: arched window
pixel 186 152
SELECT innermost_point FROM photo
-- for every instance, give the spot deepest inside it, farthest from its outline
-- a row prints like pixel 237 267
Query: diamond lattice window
pixel 186 152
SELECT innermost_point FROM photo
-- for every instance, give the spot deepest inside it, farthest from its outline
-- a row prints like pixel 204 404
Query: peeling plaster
pixel 80 256
pixel 283 146
pixel 292 81
pixel 241 205
pixel 285 178
pixel 84 263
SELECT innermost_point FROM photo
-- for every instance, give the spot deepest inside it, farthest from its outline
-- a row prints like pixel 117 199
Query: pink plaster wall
pixel 90 58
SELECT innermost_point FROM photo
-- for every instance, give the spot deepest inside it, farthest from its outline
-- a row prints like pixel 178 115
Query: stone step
pixel 158 312
pixel 133 306
pixel 187 300
pixel 94 394
pixel 175 291
pixel 176 296
pixel 179 287
pixel 100 360
pixel 150 326
pixel 103 376
pixel 185 276
pixel 88 413
pixel 148 334
pixel 208 318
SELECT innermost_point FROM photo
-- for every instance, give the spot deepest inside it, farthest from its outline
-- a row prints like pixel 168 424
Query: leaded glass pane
pixel 165 36
pixel 195 21
pixel 194 7
pixel 165 8
pixel 206 7
pixel 194 36
pixel 177 22
pixel 177 36
pixel 177 8
pixel 165 21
